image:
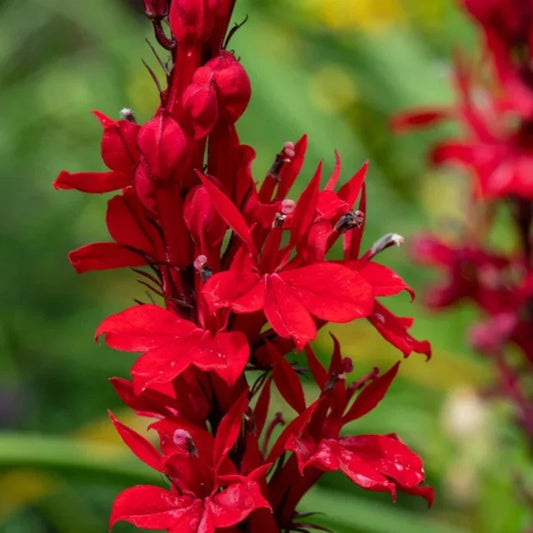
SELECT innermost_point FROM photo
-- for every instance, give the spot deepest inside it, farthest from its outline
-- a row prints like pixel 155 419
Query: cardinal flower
pixel 373 462
pixel 172 344
pixel 207 492
pixel 238 275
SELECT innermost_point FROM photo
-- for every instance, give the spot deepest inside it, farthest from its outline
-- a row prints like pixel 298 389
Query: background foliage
pixel 335 70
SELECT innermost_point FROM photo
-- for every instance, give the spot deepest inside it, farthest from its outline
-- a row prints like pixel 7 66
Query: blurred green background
pixel 334 69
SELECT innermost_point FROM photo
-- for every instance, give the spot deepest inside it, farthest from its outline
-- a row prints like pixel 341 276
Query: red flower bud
pixel 192 21
pixel 156 9
pixel 201 106
pixel 162 144
pixel 231 81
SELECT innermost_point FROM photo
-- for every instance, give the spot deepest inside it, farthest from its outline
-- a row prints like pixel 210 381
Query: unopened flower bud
pixel 162 144
pixel 231 81
pixel 200 103
pixel 156 9
pixel 192 21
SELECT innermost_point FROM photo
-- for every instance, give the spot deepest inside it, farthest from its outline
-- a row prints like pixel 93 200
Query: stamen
pixel 184 439
pixel 127 114
pixel 350 220
pixel 285 156
pixel 288 206
pixel 200 264
pixel 388 240
pixel 278 221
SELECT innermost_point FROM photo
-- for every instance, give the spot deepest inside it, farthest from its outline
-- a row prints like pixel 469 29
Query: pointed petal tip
pixel 102 118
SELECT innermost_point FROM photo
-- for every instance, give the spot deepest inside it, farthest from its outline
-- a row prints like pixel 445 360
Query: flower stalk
pixel 240 280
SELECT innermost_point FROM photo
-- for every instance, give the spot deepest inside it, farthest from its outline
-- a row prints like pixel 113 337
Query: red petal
pixel 335 175
pixel 330 291
pixel 316 367
pixel 286 314
pixel 428 493
pixel 103 256
pixel 204 223
pixel 235 503
pixel 143 449
pixel 371 395
pixel 418 118
pixel 394 330
pixel 124 227
pixel 93 182
pixel 119 146
pixel 303 447
pixel 350 191
pixel 103 118
pixel 155 508
pixel 452 151
pixel 352 239
pixel 229 213
pixel 143 327
pixel 331 455
pixel 165 362
pixel 294 428
pixel 429 250
pixel 389 456
pixel 241 292
pixel 384 281
pixel 229 429
pixel 226 354
pixel 152 403
pixel 290 171
pixel 304 212
pixel 287 381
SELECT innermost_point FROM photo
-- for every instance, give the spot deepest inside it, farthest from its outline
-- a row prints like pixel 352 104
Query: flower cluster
pixel 495 108
pixel 242 280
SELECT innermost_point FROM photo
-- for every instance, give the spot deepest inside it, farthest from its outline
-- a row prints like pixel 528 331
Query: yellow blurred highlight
pixel 21 487
pixel 368 15
pixel 373 16
pixel 444 196
pixel 442 372
pixel 331 88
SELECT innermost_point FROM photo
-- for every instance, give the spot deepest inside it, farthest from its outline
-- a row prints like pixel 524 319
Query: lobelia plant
pixel 242 278
pixel 495 109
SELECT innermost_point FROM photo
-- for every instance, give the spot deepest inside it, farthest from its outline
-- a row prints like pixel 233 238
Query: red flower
pixel 120 154
pixel 497 150
pixel 206 493
pixel 172 344
pixel 374 462
pixel 243 278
